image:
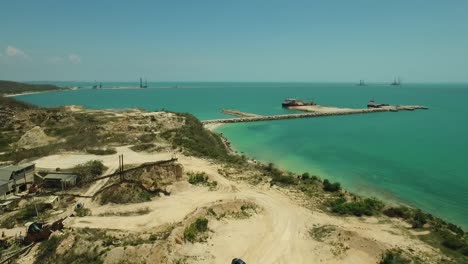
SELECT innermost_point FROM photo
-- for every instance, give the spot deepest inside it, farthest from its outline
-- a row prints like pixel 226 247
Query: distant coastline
pixel 26 93
pixel 11 88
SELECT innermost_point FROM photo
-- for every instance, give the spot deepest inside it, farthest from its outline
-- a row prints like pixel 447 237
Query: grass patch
pixel 193 231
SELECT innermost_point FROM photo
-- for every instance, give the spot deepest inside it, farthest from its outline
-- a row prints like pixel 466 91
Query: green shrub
pixel 419 219
pixel 89 170
pixel 452 242
pixel 399 212
pixel 192 231
pixel 331 187
pixel 80 212
pixel 286 180
pixel 394 257
pixel 198 178
pixel 305 176
pixel 368 206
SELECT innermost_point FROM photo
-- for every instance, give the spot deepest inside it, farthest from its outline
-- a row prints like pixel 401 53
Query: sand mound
pixel 34 138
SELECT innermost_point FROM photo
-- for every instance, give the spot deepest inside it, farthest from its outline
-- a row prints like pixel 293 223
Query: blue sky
pixel 209 40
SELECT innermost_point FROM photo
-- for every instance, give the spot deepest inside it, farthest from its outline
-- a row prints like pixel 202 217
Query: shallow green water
pixel 419 157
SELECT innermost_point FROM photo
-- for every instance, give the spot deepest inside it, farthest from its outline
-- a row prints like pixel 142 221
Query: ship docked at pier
pixel 291 102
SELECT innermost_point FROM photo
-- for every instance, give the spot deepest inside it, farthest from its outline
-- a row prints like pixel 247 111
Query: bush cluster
pixel 398 212
pixel 192 231
pixel 307 177
pixel 452 241
pixel 367 206
pixel 394 257
pixel 80 212
pixel 198 178
pixel 331 187
pixel 277 176
pixel 89 170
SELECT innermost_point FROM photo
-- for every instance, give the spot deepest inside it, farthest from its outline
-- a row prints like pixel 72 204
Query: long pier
pixel 336 112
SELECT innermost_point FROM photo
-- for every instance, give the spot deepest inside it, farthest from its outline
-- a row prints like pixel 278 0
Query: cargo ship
pixel 290 102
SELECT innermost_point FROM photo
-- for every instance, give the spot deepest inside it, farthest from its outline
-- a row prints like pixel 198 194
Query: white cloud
pixel 15 52
pixel 75 59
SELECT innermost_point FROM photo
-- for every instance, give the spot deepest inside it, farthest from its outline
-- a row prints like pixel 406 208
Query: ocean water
pixel 419 158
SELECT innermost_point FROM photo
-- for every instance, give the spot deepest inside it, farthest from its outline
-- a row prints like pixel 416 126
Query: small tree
pixel 331 187
pixel 419 219
pixel 89 170
pixel 305 176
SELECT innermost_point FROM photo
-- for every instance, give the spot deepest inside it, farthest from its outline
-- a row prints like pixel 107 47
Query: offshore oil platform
pixel 141 83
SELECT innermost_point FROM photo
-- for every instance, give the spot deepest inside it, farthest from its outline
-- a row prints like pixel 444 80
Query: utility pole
pixel 121 167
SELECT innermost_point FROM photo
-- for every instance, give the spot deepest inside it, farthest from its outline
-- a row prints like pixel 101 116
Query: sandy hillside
pixel 279 233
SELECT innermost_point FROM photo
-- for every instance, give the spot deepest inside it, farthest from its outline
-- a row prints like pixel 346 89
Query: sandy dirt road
pixel 277 234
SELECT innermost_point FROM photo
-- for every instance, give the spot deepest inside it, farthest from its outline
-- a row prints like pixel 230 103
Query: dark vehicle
pixel 238 261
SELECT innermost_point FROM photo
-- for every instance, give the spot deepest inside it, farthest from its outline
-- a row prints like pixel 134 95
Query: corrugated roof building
pixel 15 178
pixel 59 180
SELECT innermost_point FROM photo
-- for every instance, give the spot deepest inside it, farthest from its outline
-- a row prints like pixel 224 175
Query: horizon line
pixel 228 81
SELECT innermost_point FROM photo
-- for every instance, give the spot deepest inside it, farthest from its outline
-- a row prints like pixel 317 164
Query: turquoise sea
pixel 419 158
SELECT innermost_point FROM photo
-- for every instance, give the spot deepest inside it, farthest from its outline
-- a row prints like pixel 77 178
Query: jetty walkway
pixel 338 111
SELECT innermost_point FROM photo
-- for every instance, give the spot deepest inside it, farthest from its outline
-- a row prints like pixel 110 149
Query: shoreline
pixel 38 92
pixel 364 190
